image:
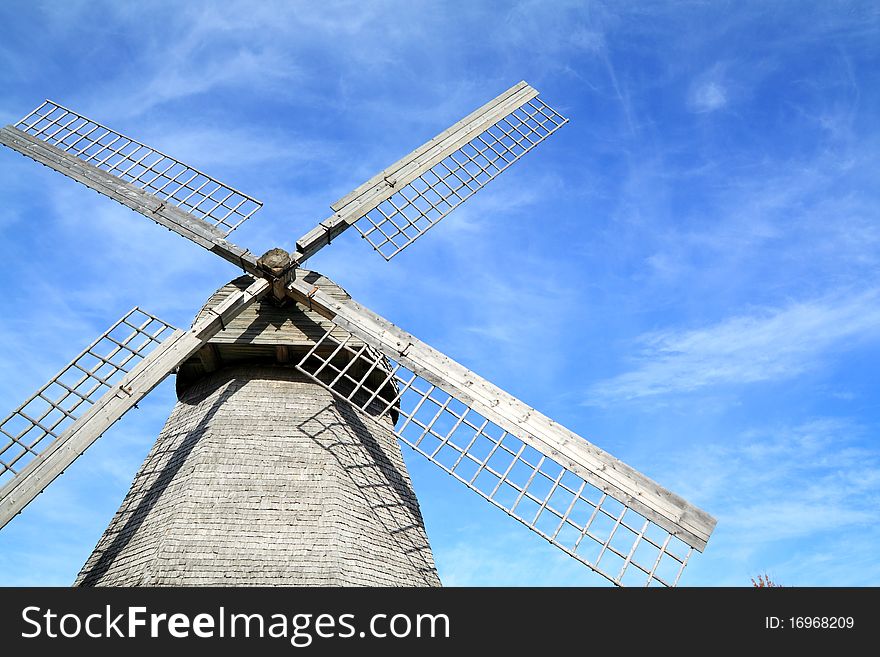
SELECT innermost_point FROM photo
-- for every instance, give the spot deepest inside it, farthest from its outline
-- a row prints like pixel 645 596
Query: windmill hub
pixel 275 261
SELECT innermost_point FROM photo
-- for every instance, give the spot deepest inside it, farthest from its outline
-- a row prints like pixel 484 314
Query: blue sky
pixel 687 274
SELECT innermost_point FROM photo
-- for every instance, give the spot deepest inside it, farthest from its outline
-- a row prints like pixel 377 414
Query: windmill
pixel 281 463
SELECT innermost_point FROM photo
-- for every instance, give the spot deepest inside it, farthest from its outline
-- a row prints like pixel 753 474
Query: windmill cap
pixel 270 334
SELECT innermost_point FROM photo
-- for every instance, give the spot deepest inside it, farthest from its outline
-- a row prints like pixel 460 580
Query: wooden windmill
pixel 280 463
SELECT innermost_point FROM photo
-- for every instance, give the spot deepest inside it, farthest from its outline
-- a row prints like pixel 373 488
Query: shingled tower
pixel 263 477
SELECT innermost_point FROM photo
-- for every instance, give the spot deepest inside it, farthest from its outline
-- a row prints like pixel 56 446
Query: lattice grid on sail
pixel 142 166
pixel 416 207
pixel 572 514
pixel 44 416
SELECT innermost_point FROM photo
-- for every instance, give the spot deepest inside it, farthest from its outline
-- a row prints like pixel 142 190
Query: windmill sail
pixel 64 417
pixel 163 189
pixel 581 499
pixel 401 203
pixel 56 405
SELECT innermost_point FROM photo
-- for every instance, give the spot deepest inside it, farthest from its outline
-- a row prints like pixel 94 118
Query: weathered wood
pixel 261 478
pixel 668 510
pixel 389 181
pixel 282 353
pixel 254 334
pixel 447 141
pixel 269 324
pixel 318 237
pixel 173 218
pixel 209 357
pixel 140 164
pixel 65 449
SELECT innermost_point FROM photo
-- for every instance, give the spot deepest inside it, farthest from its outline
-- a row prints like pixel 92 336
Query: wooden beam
pixel 407 168
pixel 387 182
pixel 282 353
pixel 318 237
pixel 668 510
pixel 209 357
pixel 163 360
pixel 173 218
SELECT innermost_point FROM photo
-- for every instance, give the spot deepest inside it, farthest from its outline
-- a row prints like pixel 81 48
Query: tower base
pixel 262 478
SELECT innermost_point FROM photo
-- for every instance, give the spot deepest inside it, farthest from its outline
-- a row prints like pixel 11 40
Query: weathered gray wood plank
pixel 268 324
pixel 477 118
pixel 182 223
pixel 387 182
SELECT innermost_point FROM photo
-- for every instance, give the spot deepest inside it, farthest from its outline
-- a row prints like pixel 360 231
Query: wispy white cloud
pixel 710 90
pixel 773 344
pixel 777 489
pixel 243 148
pixel 179 77
pixel 526 24
pixel 708 96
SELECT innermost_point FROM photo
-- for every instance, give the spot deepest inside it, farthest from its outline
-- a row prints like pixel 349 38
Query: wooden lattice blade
pixel 157 186
pixel 68 394
pixel 580 498
pixel 399 204
pixel 31 439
